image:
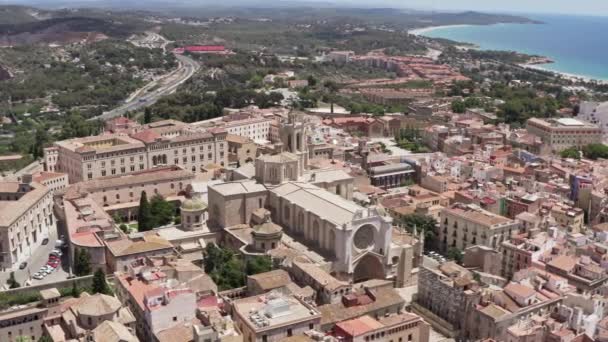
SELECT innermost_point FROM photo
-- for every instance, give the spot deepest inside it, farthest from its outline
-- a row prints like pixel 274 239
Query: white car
pixel 38 276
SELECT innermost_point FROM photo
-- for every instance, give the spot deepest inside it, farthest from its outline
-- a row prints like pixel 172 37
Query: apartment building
pixel 521 252
pixel 401 327
pixel 26 218
pixel 595 113
pixel 162 293
pixel 447 291
pixel 161 143
pixel 571 218
pixel 274 317
pixel 469 225
pixel 565 132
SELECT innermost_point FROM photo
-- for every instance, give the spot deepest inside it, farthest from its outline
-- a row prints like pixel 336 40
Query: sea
pixel 577 44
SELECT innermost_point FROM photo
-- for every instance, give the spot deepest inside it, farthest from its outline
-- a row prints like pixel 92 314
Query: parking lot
pixel 38 258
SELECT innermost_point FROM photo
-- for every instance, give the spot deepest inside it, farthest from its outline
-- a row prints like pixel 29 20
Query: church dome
pixel 193 205
pixel 267 229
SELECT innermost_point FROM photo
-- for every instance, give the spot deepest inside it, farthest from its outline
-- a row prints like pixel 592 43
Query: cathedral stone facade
pixel 359 238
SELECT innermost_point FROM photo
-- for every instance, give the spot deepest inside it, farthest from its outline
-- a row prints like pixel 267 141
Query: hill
pixel 21 25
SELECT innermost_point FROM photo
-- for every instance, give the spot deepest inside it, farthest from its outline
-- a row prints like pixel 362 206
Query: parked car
pixel 38 275
pixel 45 241
pixel 23 265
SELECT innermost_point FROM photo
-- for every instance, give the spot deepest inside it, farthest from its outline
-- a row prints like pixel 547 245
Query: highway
pixel 164 86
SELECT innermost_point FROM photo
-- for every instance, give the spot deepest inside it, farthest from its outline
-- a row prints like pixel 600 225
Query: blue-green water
pixel 577 44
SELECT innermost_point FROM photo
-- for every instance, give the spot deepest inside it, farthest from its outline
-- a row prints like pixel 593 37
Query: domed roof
pixel 98 305
pixel 267 228
pixel 193 204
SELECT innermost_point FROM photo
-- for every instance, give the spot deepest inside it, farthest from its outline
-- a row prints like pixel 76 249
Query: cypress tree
pixel 82 263
pixel 144 217
pixel 100 285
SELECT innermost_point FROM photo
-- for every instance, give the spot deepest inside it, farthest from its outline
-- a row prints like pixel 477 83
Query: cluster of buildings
pixel 331 200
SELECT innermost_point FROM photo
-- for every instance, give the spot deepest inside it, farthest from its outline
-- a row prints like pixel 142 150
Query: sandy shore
pixel 421 31
pixel 572 77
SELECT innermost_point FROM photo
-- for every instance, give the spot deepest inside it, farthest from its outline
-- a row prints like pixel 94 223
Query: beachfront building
pixel 565 132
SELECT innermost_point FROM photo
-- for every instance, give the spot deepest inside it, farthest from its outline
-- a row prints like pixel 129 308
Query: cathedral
pixel 315 208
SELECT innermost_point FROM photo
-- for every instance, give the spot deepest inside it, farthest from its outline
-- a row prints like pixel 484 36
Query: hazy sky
pixel 592 7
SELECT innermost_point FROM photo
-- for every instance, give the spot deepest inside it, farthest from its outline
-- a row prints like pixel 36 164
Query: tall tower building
pixel 294 134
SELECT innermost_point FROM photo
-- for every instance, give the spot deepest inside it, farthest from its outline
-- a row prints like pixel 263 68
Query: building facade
pixel 566 132
pixel 26 218
pixel 462 226
pixel 159 144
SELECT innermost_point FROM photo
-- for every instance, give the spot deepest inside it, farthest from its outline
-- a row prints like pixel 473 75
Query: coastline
pixel 540 67
pixel 566 75
pixel 422 30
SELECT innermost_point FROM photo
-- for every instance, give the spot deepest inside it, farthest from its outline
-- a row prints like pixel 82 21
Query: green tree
pixel 124 228
pixel 458 106
pixel 45 338
pixel 144 216
pixel 82 262
pixel 162 211
pixel 331 88
pixel 570 152
pixel 226 269
pixel 455 254
pixel 258 264
pixel 426 224
pixel 312 81
pixel 75 290
pixel 41 138
pixel 147 115
pixel 12 282
pixel 595 151
pixel 100 285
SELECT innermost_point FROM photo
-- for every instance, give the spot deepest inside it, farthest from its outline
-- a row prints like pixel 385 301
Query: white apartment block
pixel 595 113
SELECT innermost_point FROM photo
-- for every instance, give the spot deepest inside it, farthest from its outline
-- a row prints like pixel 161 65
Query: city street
pixel 38 259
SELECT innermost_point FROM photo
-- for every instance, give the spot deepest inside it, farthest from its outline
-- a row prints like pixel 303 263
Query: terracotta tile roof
pixel 160 174
pixel 44 176
pixel 271 280
pixel 359 326
pixel 147 243
pixel 98 305
pixel 147 136
pixel 514 289
pixel 563 262
pixel 109 331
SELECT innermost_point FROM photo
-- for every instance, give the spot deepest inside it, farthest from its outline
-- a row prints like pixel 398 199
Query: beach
pixel 572 77
pixel 421 31
pixel 581 59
